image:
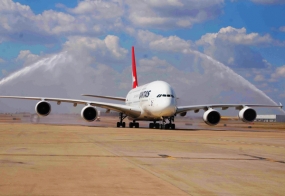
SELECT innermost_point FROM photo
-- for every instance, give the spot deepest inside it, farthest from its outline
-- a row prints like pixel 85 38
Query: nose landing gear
pixel 163 125
pixel 169 125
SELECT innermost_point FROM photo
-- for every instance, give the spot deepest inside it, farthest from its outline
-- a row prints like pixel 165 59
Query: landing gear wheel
pixel 134 124
pixel 137 125
pixel 151 125
pixel 121 123
pixel 157 125
pixel 169 125
pixel 118 124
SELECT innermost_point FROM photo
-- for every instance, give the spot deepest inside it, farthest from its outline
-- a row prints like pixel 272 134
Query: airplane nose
pixel 168 107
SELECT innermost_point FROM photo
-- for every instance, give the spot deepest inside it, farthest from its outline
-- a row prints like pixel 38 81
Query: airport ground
pixel 230 159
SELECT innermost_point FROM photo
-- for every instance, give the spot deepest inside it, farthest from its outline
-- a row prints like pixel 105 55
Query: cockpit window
pixel 164 95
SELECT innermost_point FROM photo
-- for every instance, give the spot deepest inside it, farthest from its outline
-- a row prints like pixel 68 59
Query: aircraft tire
pixel 167 126
pixel 173 126
pixel 157 125
pixel 137 125
pixel 118 124
pixel 131 125
pixel 151 125
pixel 123 124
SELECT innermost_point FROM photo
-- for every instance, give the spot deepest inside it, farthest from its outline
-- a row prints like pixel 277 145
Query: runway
pixel 80 160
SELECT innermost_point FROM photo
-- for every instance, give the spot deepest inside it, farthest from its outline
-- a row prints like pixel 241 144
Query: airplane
pixel 155 102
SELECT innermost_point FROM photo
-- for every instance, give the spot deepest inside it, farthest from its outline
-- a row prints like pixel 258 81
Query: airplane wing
pixel 107 97
pixel 196 108
pixel 128 110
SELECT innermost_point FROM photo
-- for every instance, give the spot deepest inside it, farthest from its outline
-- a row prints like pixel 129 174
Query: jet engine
pixel 211 117
pixel 43 108
pixel 247 114
pixel 183 114
pixel 89 113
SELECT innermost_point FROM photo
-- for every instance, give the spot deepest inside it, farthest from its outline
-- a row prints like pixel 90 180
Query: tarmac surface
pixel 38 159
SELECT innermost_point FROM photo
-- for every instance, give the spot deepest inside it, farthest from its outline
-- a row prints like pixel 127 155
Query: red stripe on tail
pixel 134 69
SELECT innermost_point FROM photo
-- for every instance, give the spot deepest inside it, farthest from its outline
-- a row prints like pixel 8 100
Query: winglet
pixel 281 106
pixel 134 69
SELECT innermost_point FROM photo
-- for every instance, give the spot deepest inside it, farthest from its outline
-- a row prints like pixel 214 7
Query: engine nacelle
pixel 183 114
pixel 43 108
pixel 247 114
pixel 211 117
pixel 89 113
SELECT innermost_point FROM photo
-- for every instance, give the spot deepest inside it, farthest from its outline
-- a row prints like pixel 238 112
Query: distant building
pixel 270 118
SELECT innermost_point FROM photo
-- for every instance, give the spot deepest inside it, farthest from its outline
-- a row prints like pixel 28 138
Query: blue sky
pixel 247 36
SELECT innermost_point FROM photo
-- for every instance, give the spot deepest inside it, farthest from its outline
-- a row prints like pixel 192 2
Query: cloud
pixel 103 51
pixel 172 13
pixel 233 47
pixel 2 61
pixel 27 58
pixel 232 35
pixel 99 9
pixel 160 43
pixel 259 78
pixel 279 73
pixel 282 29
pixel 95 17
pixel 19 23
pixel 269 2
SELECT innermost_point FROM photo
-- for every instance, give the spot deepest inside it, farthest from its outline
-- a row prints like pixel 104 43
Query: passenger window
pixel 158 95
pixel 168 95
pixel 172 96
pixel 164 95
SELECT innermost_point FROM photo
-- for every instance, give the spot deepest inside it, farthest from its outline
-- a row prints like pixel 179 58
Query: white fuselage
pixel 156 100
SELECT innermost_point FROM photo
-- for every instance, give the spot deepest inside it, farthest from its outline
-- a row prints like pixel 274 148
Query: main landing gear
pixel 134 124
pixel 154 125
pixel 121 123
pixel 164 125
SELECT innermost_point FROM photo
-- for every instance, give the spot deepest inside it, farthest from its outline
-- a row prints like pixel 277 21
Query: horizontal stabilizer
pixel 107 97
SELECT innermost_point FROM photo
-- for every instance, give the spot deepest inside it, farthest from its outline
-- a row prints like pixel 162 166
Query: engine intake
pixel 43 108
pixel 183 114
pixel 89 113
pixel 247 114
pixel 211 117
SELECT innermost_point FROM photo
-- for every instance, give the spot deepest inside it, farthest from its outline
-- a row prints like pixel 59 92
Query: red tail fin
pixel 134 69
